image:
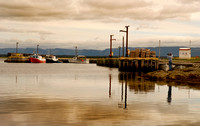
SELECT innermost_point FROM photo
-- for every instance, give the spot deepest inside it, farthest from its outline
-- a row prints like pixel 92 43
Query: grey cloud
pixel 101 10
pixel 137 10
pixel 34 10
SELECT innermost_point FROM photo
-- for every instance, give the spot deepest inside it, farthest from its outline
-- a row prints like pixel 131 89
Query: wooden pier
pixel 108 62
pixel 130 64
pixel 138 64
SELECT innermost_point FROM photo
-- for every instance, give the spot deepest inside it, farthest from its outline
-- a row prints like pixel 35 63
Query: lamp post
pixel 126 39
pixel 111 39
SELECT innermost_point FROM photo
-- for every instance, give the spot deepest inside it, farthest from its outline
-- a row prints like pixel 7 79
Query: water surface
pixel 86 94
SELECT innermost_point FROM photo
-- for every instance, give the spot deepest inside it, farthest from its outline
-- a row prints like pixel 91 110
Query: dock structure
pixel 108 62
pixel 130 64
pixel 138 64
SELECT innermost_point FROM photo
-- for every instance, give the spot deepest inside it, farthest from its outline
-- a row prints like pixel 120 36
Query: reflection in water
pixel 169 98
pixel 16 79
pixel 136 82
pixel 122 93
pixel 110 81
pixel 40 112
pixel 77 94
pixel 126 93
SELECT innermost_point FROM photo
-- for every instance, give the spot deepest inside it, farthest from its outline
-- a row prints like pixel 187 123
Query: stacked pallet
pixel 153 54
pixel 142 53
pixel 148 53
pixel 135 53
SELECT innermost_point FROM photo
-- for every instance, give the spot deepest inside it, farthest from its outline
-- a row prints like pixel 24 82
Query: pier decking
pixel 130 64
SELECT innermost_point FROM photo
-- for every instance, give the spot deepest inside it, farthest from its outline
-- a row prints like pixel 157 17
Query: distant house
pixel 184 53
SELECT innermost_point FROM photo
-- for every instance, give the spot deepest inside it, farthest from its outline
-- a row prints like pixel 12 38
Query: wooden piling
pixel 130 64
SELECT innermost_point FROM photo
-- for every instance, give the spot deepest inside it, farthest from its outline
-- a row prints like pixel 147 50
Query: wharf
pixel 130 64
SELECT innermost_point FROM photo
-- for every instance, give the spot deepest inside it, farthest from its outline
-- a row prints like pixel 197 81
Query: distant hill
pixel 92 52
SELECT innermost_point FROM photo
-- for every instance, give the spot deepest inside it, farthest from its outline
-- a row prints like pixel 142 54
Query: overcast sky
pixel 89 23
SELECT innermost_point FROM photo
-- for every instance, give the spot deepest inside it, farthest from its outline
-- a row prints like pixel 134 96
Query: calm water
pixel 86 94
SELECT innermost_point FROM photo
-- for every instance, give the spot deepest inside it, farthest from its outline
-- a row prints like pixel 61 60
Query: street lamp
pixel 126 39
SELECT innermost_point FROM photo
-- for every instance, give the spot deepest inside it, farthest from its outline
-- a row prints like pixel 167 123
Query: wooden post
pixel 136 64
pixel 142 64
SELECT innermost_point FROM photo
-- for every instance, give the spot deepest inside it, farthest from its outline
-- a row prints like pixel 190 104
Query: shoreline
pixel 187 75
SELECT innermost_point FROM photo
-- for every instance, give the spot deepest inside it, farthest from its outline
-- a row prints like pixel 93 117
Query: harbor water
pixel 66 94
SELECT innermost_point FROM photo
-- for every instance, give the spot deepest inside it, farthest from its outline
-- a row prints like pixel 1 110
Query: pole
pixel 111 39
pixel 190 44
pixel 17 47
pixel 76 52
pixel 159 49
pixel 126 41
pixel 111 46
pixel 119 50
pixel 123 46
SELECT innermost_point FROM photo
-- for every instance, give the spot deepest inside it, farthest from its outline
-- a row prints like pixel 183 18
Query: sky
pixel 88 24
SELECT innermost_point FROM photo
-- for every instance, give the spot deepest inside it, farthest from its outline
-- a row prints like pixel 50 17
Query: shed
pixel 184 53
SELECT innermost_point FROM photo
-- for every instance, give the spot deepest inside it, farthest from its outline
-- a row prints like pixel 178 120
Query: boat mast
pixel 37 49
pixel 76 51
pixel 17 47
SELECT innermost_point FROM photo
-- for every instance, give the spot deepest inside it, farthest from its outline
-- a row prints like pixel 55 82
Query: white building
pixel 184 53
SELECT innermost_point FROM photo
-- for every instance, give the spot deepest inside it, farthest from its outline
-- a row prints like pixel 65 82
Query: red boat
pixel 37 59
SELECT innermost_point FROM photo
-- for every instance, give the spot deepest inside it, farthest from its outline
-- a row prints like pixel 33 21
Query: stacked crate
pixel 137 53
pixel 147 55
pixel 132 53
pixel 142 53
pixel 153 54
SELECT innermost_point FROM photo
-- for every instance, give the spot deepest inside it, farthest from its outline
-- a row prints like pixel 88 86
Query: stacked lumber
pixel 153 54
pixel 142 53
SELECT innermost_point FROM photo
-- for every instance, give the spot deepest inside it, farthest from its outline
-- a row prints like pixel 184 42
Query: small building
pixel 184 53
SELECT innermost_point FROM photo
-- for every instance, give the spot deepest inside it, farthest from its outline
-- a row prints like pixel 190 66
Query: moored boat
pixel 17 58
pixel 51 59
pixel 37 59
pixel 79 59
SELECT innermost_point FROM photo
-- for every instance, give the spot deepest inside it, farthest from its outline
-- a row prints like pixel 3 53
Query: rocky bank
pixel 186 75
